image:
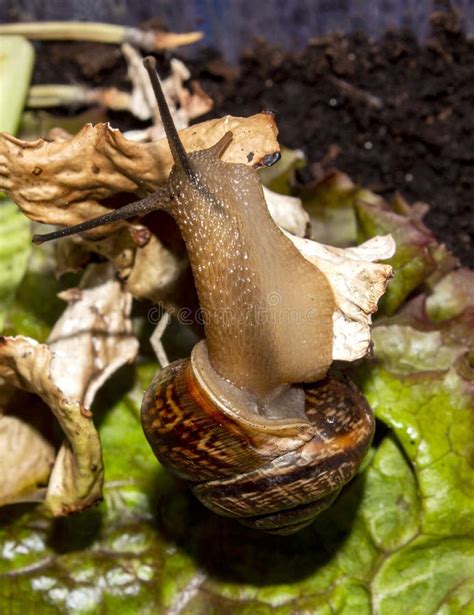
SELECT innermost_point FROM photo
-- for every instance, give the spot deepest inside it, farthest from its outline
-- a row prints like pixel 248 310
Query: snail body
pixel 251 420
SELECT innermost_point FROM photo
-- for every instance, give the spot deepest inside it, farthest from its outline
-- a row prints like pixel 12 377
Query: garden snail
pixel 251 420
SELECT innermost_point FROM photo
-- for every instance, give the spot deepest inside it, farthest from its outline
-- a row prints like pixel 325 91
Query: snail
pixel 252 420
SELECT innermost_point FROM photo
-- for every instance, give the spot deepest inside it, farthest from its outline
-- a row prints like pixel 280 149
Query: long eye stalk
pixel 179 154
pixel 158 199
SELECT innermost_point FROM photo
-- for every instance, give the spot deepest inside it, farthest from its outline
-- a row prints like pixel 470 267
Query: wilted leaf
pixel 96 329
pixel 184 106
pixel 88 343
pixel 76 478
pixel 27 453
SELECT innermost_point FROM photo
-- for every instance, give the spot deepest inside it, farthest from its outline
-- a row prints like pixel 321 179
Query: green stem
pixel 99 33
pixel 58 95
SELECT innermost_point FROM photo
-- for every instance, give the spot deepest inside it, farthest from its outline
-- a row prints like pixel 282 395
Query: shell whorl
pixel 271 474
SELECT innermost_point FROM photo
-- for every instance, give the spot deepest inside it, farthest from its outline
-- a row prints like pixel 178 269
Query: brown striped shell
pixel 273 474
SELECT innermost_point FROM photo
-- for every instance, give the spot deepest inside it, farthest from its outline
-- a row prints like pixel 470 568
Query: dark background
pixel 232 24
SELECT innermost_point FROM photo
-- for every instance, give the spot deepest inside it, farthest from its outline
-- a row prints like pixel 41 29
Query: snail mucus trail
pixel 250 420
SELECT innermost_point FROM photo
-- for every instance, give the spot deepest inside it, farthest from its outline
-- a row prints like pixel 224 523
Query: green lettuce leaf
pixel 15 248
pixel 35 306
pixel 16 65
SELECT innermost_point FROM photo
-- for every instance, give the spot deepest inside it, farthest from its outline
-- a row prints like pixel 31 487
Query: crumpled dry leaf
pixel 288 212
pixel 96 330
pixel 27 453
pixel 90 341
pixel 357 283
pixel 183 105
pixel 77 475
pixel 63 182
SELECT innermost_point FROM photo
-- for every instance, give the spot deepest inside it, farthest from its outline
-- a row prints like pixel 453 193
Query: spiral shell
pixel 271 474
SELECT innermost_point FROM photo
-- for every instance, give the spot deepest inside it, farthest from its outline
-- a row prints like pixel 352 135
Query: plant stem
pixel 58 95
pixel 149 40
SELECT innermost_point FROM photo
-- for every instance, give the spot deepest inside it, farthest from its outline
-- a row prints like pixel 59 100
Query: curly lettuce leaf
pixel 418 254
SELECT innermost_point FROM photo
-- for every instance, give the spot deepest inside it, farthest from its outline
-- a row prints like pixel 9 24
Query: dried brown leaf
pixel 76 480
pixel 26 452
pixel 63 182
pixel 91 340
pixel 95 329
pixel 183 104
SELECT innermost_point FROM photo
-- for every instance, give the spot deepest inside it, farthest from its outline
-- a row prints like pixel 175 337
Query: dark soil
pixel 393 114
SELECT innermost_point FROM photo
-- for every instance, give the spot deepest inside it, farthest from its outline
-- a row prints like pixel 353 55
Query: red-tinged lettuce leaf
pixel 431 415
pixel 330 203
pixel 343 214
pixel 452 296
pixel 418 255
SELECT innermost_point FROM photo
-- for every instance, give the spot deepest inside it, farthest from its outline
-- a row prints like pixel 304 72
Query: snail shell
pixel 270 473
